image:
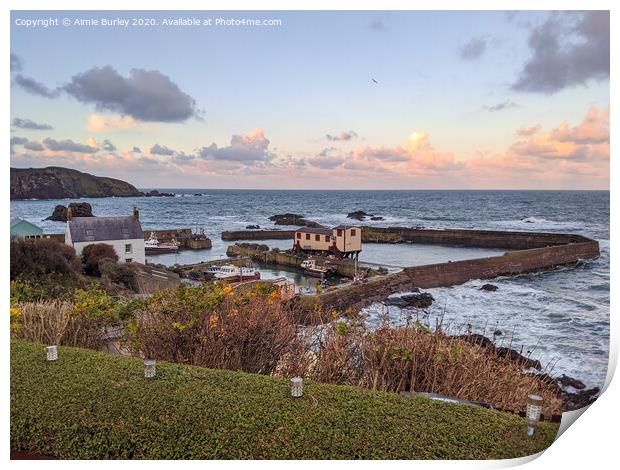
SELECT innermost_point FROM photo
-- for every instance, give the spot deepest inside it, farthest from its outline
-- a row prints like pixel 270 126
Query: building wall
pixel 322 244
pixel 348 242
pixel 137 248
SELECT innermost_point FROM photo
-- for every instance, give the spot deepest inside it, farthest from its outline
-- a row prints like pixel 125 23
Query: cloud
pixel 144 95
pixel 474 49
pixel 249 148
pixel 501 106
pixel 108 146
pixel 33 87
pixel 31 125
pixel 109 123
pixel 161 150
pixel 527 131
pixel 136 150
pixel 589 140
pixel 17 141
pixel 16 63
pixel 69 146
pixel 34 145
pixel 569 49
pixel 343 136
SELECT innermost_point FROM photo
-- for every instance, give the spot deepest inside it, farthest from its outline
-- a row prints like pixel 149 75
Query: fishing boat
pixel 153 246
pixel 231 273
pixel 310 267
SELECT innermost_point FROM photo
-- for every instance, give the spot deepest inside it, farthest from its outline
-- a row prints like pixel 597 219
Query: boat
pixel 211 271
pixel 310 267
pixel 231 273
pixel 153 246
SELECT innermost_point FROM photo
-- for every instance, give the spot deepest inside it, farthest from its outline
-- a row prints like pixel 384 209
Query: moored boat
pixel 310 267
pixel 231 273
pixel 153 246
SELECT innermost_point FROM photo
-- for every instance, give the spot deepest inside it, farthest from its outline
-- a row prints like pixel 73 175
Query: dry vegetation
pixel 255 331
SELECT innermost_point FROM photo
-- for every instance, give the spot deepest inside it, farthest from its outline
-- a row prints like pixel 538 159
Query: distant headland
pixel 59 183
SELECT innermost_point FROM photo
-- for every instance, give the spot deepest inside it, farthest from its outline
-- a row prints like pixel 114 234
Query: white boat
pixel 231 273
pixel 153 246
pixel 310 267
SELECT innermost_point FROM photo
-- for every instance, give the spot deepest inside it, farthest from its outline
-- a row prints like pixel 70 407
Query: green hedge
pixel 90 405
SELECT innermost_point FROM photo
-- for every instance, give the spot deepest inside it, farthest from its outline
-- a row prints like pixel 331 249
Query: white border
pixel 590 443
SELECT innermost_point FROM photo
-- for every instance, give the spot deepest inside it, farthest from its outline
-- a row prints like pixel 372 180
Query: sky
pixel 315 100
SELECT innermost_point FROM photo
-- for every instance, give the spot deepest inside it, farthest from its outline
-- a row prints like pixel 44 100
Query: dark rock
pixel 477 339
pixel 358 215
pixel 376 217
pixel 581 399
pixel 415 300
pixel 197 194
pixel 252 227
pixel 566 381
pixel 497 333
pixel 155 193
pixel 293 219
pixel 513 355
pixel 489 288
pixel 78 209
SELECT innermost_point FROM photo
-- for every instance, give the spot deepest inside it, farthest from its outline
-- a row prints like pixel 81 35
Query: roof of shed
pixel 320 231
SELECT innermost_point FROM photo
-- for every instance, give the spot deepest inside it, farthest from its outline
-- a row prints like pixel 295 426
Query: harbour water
pixel 561 315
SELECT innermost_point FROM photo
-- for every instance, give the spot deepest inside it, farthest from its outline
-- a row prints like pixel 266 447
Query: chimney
pixel 69 214
pixel 136 213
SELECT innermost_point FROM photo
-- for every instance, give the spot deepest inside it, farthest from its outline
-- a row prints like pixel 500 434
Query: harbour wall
pixel 451 237
pixel 360 295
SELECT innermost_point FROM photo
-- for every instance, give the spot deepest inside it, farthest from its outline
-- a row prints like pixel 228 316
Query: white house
pixel 123 233
pixel 344 241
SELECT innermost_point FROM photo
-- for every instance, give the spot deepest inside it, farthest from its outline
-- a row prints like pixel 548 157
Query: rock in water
pixel 489 288
pixel 252 227
pixel 358 215
pixel 415 300
pixel 155 193
pixel 376 217
pixel 293 219
pixel 78 209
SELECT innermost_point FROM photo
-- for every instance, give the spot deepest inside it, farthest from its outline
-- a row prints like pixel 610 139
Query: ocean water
pixel 561 316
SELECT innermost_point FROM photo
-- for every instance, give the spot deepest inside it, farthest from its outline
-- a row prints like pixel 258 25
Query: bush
pixel 120 274
pixel 214 326
pixel 36 258
pixel 81 322
pixel 94 254
pixel 90 405
pixel 412 357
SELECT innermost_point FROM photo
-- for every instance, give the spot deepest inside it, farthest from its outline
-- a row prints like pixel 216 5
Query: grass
pixel 91 405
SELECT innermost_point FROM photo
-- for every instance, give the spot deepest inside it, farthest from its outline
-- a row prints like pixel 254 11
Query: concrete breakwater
pixel 359 295
pixel 450 237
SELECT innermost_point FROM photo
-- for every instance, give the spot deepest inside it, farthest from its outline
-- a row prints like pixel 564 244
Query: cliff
pixel 60 183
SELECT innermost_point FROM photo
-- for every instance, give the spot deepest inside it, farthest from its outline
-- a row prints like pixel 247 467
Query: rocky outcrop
pixel 78 209
pixel 293 219
pixel 507 353
pixel 413 300
pixel 60 183
pixel 489 287
pixel 252 227
pixel 155 193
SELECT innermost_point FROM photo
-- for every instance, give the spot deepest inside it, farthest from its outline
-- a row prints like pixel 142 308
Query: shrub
pixel 90 405
pixel 412 357
pixel 120 274
pixel 81 322
pixel 217 327
pixel 93 254
pixel 35 259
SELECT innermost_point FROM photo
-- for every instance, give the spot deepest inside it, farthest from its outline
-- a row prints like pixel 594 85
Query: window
pixel 128 260
pixel 125 231
pixel 90 232
pixel 298 235
pixel 339 233
pixel 326 238
pixel 307 236
pixel 352 232
pixel 318 238
pixel 128 248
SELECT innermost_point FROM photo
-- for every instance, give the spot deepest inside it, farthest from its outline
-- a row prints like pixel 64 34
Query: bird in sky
pixel 374 80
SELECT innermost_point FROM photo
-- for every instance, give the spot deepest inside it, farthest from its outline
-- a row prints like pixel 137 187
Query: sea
pixel 560 317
